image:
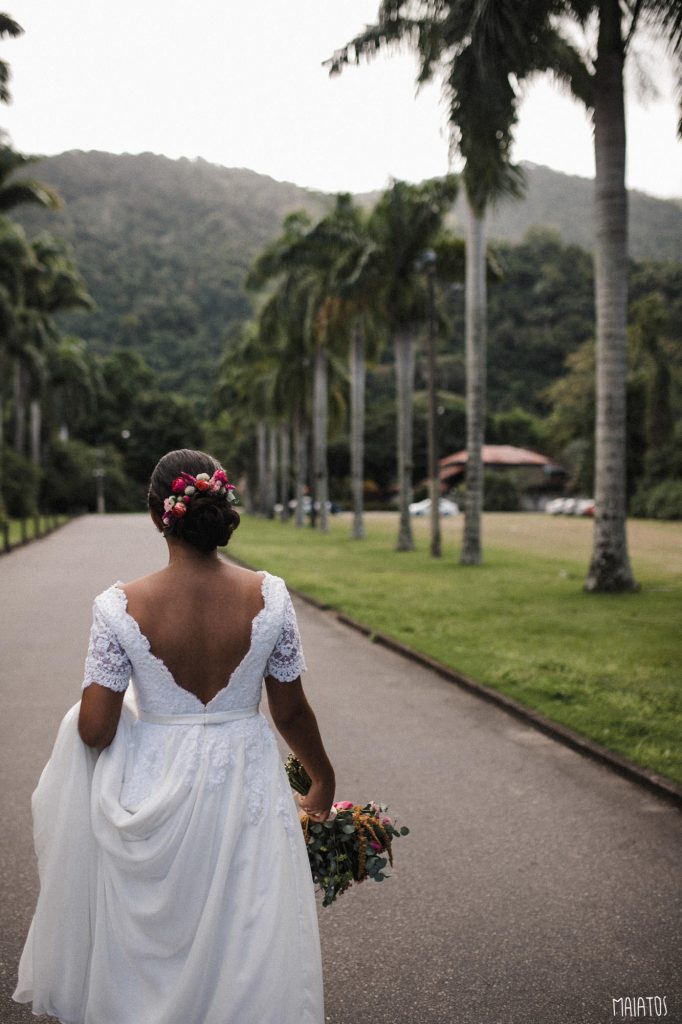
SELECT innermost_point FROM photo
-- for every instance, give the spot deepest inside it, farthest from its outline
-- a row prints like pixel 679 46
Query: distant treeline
pixel 164 247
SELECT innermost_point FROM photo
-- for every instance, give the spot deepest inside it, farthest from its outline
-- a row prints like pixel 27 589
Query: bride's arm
pixel 105 679
pixel 99 714
pixel 295 721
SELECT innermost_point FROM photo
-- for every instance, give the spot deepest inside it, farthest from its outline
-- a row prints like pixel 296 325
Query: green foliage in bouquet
pixel 353 844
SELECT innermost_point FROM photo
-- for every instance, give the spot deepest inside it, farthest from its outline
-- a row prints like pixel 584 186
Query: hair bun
pixel 208 518
pixel 208 523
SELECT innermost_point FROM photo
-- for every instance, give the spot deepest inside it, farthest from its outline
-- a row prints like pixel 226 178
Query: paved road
pixel 535 886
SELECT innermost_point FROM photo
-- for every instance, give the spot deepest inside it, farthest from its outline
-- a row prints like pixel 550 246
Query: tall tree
pixel 53 285
pixel 405 221
pixel 300 266
pixel 343 242
pixel 478 52
pixel 618 22
pixel 18 191
pixel 8 27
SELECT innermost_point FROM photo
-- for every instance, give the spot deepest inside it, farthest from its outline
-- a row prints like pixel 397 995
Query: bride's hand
pixel 317 803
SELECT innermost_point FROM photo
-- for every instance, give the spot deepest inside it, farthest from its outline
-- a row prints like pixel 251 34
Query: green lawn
pixel 609 666
pixel 15 528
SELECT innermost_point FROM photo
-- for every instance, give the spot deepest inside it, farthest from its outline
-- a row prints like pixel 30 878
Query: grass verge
pixel 607 666
pixel 15 532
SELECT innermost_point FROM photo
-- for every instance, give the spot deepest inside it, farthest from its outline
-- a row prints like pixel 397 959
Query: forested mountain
pixel 164 245
pixel 565 202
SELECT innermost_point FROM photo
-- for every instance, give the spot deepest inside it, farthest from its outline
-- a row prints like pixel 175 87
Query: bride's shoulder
pixel 117 595
pixel 256 578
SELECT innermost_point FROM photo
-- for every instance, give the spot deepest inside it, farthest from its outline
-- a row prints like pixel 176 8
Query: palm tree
pixel 444 263
pixel 301 267
pixel 8 27
pixel 342 241
pixel 24 190
pixel 609 568
pixel 75 381
pixel 16 258
pixel 52 285
pixel 453 38
pixel 405 221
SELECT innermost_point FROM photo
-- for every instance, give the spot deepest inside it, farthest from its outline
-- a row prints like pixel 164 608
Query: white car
pixel 555 507
pixel 584 507
pixel 570 507
pixel 445 507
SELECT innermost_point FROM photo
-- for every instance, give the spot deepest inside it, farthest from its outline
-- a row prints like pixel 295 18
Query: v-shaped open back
pixel 145 643
pixel 120 650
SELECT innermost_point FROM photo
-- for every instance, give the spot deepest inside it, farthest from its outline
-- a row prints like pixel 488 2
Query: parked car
pixel 332 506
pixel 555 507
pixel 584 507
pixel 570 507
pixel 445 507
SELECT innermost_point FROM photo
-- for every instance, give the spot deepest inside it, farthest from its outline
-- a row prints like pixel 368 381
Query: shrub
pixel 20 485
pixel 501 493
pixel 662 501
pixel 69 480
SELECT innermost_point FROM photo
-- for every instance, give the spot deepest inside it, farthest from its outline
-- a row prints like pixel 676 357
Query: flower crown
pixel 186 485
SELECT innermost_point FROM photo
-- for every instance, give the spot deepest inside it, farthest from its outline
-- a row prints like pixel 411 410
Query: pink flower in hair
pixel 168 504
pixel 178 485
pixel 220 476
pixel 179 509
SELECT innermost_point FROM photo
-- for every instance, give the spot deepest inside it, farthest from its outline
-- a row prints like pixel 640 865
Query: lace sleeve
pixel 106 662
pixel 286 661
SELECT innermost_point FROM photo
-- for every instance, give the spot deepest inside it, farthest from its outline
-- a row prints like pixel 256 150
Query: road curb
pixel 658 784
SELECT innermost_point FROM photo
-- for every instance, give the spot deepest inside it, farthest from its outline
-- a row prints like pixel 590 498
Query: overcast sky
pixel 241 84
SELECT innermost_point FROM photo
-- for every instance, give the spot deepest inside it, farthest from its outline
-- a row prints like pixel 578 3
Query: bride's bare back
pixel 197 619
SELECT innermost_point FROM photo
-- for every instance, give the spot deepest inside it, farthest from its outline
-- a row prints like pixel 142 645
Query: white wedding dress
pixel 174 879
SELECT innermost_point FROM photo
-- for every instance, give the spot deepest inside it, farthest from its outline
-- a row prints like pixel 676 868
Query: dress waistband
pixel 200 718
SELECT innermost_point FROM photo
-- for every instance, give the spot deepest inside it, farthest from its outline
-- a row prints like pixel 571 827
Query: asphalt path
pixel 536 886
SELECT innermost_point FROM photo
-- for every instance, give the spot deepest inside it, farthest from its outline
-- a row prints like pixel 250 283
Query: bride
pixel 174 880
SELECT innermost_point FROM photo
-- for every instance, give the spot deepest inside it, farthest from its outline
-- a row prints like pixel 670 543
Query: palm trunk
pixel 247 495
pixel 320 435
pixel 261 454
pixel 434 473
pixel 284 460
pixel 301 470
pixel 35 411
pixel 3 371
pixel 610 565
pixel 271 487
pixel 476 329
pixel 2 455
pixel 19 411
pixel 357 431
pixel 404 369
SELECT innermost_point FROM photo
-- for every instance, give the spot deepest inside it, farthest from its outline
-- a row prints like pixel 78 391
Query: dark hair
pixel 210 520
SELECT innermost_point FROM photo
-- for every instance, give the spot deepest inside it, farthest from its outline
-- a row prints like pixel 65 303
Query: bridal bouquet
pixel 353 844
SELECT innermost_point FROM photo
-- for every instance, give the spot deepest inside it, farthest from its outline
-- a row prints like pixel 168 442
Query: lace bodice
pixel 118 652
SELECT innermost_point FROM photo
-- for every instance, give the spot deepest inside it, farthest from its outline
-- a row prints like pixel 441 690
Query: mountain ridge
pixel 165 245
